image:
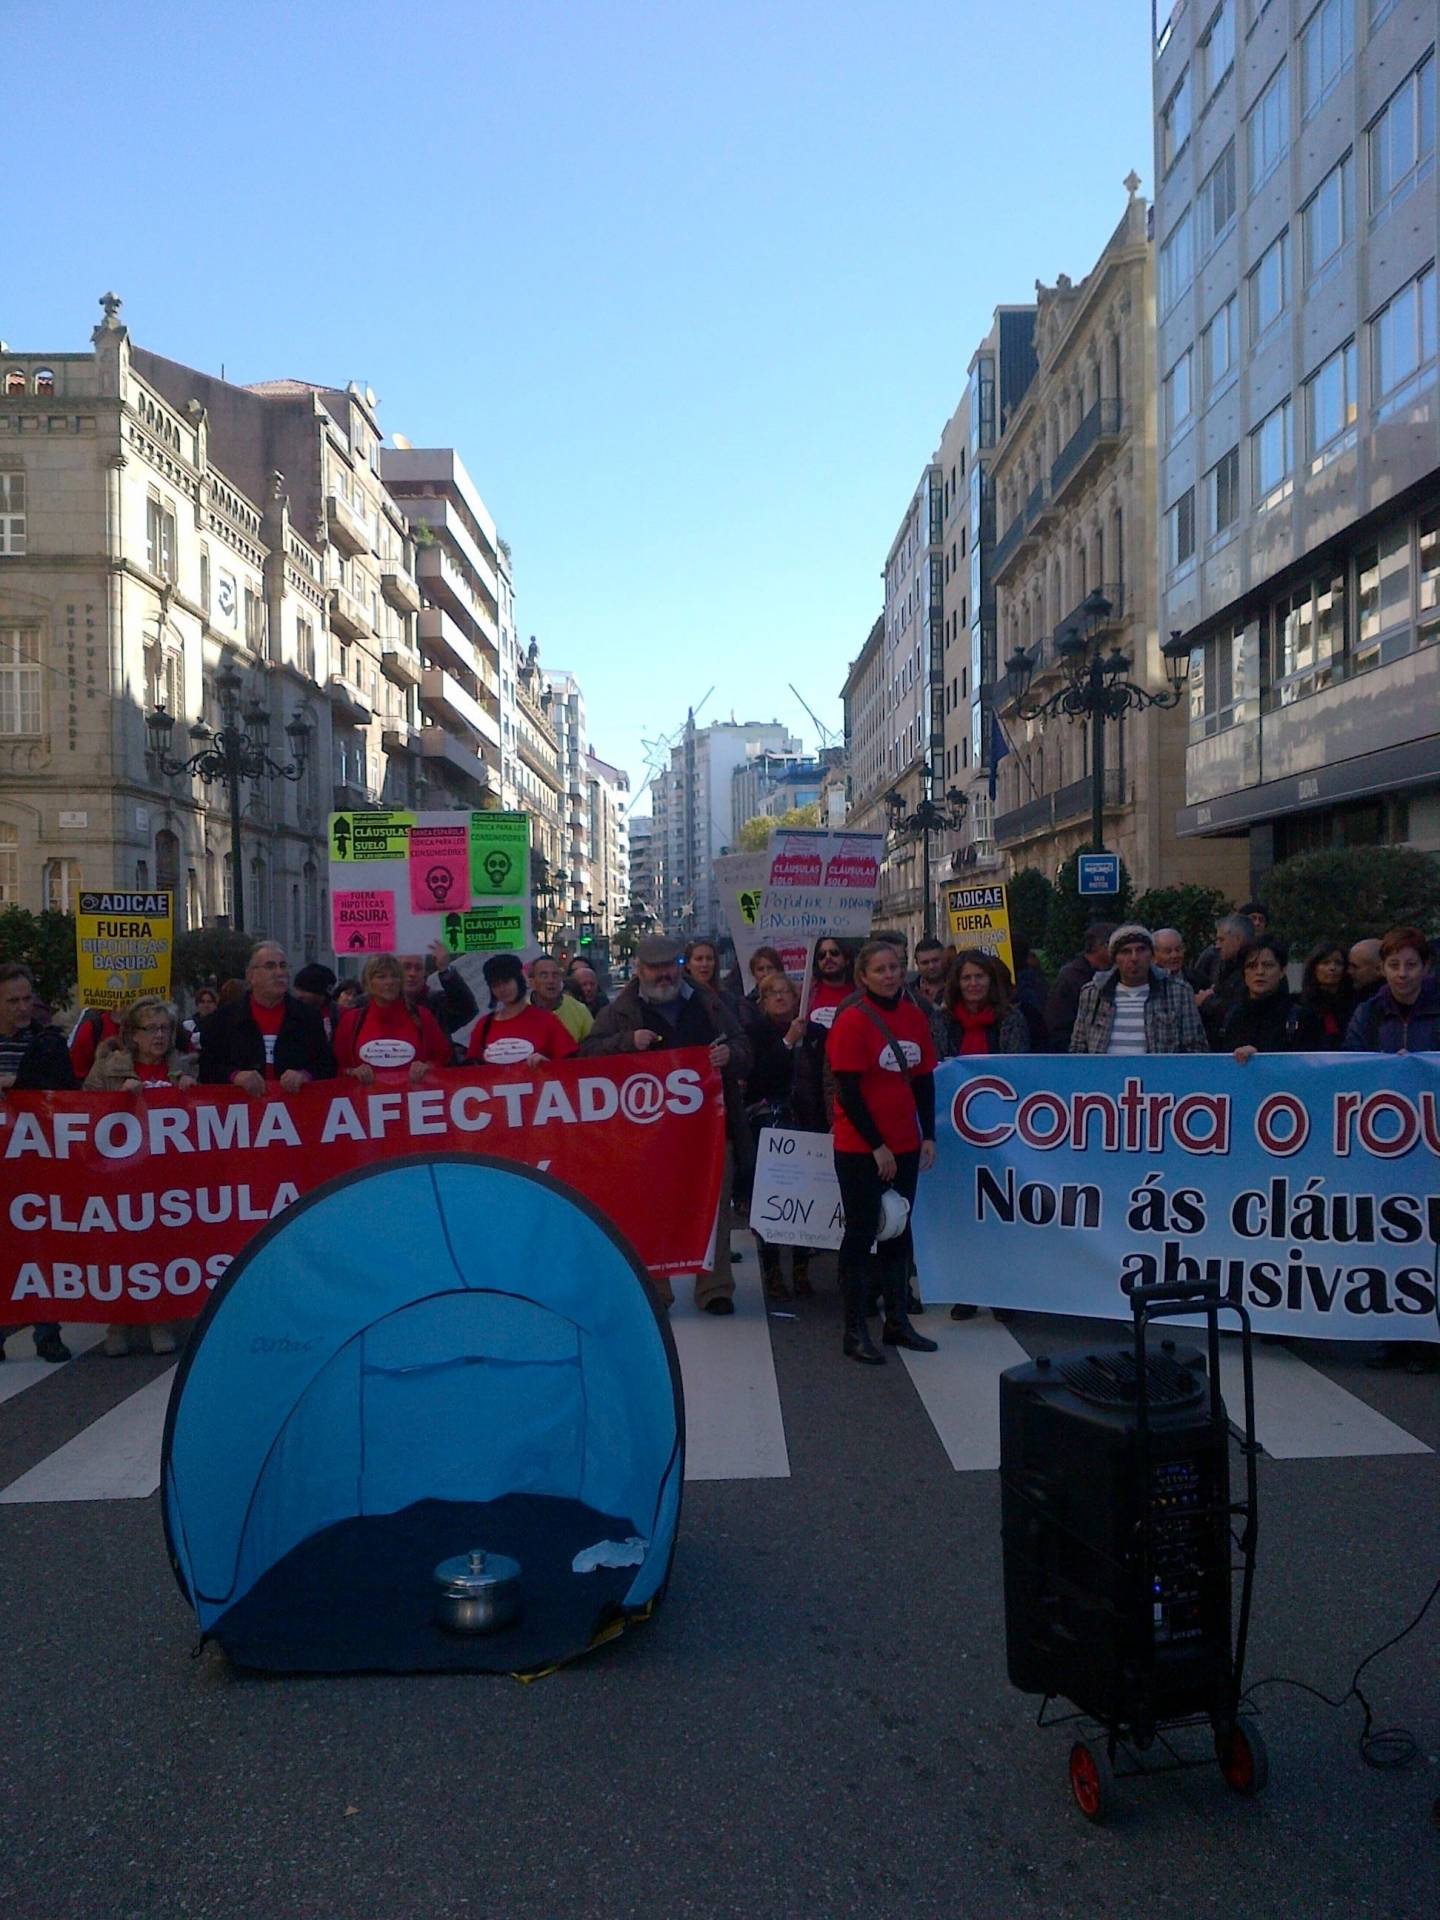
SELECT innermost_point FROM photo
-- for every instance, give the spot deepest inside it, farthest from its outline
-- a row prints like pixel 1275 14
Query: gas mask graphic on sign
pixel 439 882
pixel 497 868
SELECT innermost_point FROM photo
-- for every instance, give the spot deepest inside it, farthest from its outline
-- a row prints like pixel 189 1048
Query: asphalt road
pixel 816 1723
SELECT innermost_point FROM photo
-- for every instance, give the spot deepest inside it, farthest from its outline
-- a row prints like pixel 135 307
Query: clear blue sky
pixel 691 288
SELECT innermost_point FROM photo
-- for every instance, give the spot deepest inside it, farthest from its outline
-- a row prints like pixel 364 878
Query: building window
pixel 1402 139
pixel 1217 48
pixel 165 679
pixel 254 620
pixel 12 511
pixel 62 885
pixel 305 648
pixel 44 383
pixel 1180 531
pixel 22 705
pixel 1331 405
pixel 1326 46
pixel 1428 578
pixel 1175 122
pixel 14 383
pixel 1222 494
pixel 1382 591
pixel 1270 127
pixel 1329 217
pixel 1177 394
pixel 9 866
pixel 1217 200
pixel 1220 344
pixel 1402 344
pixel 1270 286
pixel 1307 637
pixel 1177 261
pixel 204 579
pixel 1272 457
pixel 159 538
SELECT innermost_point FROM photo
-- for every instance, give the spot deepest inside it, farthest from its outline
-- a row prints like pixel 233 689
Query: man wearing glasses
pixel 268 1037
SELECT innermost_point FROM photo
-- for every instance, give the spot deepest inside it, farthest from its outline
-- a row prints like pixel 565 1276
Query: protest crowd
pixel 855 1062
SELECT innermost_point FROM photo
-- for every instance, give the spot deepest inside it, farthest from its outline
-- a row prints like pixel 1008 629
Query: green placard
pixel 499 843
pixel 370 836
pixel 484 930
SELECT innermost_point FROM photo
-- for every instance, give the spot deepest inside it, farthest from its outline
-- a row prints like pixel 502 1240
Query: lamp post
pixel 929 817
pixel 1096 688
pixel 231 753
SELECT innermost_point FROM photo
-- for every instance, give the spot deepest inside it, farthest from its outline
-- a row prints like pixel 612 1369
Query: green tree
pixel 1070 914
pixel 210 953
pixel 45 942
pixel 1030 894
pixel 1353 893
pixel 1192 910
pixel 754 835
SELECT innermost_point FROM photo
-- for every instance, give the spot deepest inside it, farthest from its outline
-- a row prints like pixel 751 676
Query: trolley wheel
pixel 1244 1763
pixel 1092 1781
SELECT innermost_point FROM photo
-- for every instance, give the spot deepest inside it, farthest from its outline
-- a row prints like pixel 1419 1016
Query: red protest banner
pixel 129 1207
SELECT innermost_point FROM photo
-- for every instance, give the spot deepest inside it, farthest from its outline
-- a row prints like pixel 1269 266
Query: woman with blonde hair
pixel 142 1058
pixel 385 1034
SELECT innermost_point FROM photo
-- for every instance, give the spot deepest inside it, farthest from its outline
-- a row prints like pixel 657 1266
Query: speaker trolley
pixel 1122 1549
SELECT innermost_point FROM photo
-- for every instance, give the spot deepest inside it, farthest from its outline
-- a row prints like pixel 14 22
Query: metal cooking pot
pixel 479 1592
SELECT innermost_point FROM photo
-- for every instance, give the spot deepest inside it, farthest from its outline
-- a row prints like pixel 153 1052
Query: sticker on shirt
pixel 387 1053
pixel 824 1016
pixel 505 1053
pixel 270 1039
pixel 910 1050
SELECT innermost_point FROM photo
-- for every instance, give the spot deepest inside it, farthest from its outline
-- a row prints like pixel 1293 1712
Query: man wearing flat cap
pixel 1134 1007
pixel 659 1009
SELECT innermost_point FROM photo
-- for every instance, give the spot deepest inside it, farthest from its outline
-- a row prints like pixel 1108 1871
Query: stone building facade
pixel 1074 483
pixel 137 560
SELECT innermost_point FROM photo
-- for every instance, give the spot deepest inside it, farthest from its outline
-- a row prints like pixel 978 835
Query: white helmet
pixel 894 1212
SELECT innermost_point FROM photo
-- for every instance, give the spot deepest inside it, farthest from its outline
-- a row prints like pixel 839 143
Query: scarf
pixel 974 1028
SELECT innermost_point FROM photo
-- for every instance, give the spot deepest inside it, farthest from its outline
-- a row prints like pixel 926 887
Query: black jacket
pixel 232 1043
pixel 1278 1023
pixel 1064 1001
pixel 45 1065
pixel 786 1080
pixel 449 998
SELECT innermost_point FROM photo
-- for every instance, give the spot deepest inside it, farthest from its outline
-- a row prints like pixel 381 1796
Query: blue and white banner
pixel 1308 1185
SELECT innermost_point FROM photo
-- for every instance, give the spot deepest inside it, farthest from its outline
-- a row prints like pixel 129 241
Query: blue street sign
pixel 1099 873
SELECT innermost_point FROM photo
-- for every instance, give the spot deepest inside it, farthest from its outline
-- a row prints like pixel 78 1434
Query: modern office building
pixel 772 784
pixel 693 815
pixel 458 568
pixel 647 890
pixel 1074 480
pixel 1299 471
pixel 147 545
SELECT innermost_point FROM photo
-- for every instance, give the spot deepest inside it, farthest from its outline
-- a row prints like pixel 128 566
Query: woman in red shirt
pixel 883 1059
pixel 515 1032
pixel 384 1037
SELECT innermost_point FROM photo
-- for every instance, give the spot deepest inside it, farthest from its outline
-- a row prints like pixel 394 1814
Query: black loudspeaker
pixel 1117 1535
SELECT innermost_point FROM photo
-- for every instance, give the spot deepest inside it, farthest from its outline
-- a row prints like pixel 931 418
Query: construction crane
pixel 657 753
pixel 827 737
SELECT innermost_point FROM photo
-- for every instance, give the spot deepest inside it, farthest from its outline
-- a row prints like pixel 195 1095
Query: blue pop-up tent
pixel 426 1357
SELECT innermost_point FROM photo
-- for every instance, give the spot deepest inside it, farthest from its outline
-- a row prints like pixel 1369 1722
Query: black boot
pixel 857 1343
pixel 897 1330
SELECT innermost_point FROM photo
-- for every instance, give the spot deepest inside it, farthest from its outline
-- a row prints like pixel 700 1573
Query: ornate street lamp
pixel 929 817
pixel 231 753
pixel 1096 688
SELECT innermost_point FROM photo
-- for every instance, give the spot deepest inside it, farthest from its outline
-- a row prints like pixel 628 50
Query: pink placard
pixel 439 869
pixel 364 921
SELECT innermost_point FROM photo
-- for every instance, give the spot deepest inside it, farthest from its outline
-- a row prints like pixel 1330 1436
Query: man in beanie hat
pixel 1135 1008
pixel 659 1008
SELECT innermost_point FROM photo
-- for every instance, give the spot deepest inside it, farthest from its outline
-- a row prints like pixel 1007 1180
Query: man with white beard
pixel 656 1010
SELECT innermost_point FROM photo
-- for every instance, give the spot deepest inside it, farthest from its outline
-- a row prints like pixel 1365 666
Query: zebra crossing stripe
pixel 1302 1414
pixel 957 1385
pixel 734 1429
pixel 19 1371
pixel 116 1457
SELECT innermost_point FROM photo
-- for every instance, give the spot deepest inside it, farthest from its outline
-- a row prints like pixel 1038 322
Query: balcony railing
pixel 1045 654
pixel 1006 545
pixel 348 531
pixel 1059 809
pixel 1098 430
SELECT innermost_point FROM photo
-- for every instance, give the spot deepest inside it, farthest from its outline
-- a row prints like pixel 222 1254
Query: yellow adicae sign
pixel 123 944
pixel 979 916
